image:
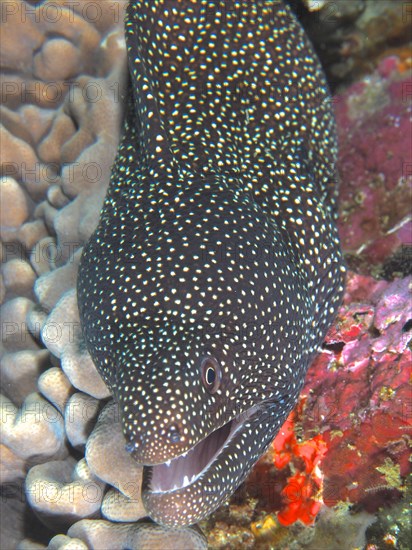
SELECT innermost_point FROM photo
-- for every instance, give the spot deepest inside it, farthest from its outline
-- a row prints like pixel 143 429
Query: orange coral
pixel 303 486
pixel 302 504
pixel 283 443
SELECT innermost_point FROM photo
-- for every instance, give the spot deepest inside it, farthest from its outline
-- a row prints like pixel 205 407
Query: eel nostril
pixel 130 447
pixel 173 433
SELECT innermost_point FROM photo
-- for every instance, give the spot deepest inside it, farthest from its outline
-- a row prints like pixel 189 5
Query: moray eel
pixel 215 269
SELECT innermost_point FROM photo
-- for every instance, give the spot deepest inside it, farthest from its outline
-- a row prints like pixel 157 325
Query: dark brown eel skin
pixel 215 270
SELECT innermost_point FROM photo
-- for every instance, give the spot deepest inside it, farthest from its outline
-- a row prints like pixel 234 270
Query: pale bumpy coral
pixel 105 447
pixel 62 492
pixel 101 535
pixel 35 431
pixel 20 372
pixel 54 385
pixel 61 119
pixel 79 416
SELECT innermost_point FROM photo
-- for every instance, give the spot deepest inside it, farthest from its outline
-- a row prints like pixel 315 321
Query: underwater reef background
pixel 338 475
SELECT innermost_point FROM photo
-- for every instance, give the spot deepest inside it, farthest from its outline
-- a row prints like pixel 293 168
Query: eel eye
pixel 211 374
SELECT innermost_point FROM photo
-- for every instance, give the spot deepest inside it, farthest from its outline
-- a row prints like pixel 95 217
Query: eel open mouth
pixel 190 487
pixel 185 469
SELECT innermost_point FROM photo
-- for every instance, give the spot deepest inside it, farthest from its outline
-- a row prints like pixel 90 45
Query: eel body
pixel 215 269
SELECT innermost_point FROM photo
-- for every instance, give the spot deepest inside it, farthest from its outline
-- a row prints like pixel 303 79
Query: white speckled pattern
pixel 216 242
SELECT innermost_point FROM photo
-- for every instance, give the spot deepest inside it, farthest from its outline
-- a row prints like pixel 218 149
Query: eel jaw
pixel 188 488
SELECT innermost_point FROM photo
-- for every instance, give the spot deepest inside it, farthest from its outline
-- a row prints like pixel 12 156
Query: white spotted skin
pixel 217 236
